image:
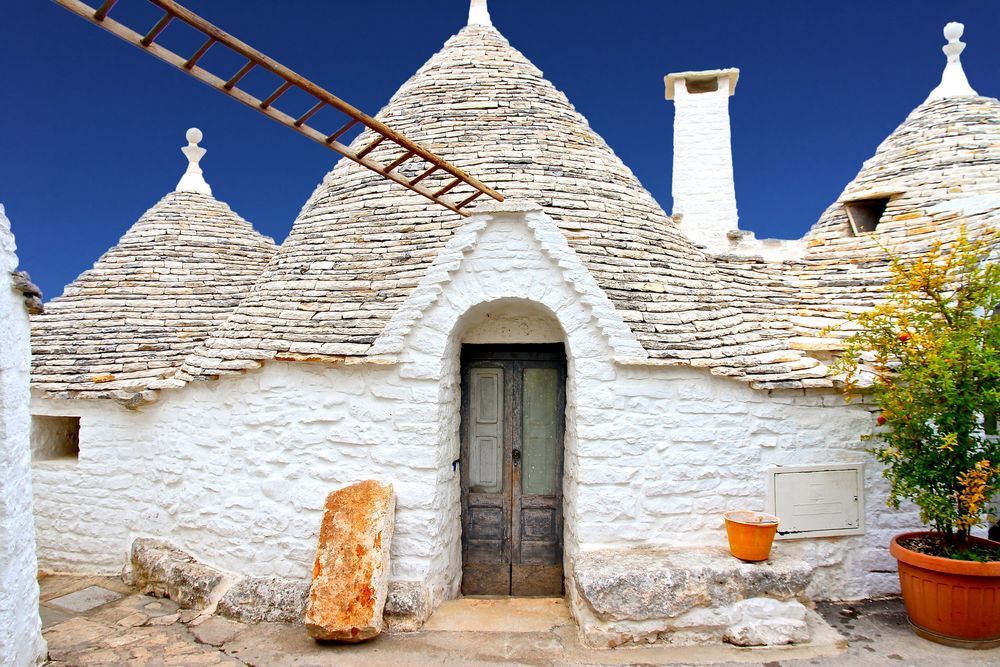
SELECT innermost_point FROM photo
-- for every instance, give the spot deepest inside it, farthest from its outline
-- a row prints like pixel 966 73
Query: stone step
pixel 688 596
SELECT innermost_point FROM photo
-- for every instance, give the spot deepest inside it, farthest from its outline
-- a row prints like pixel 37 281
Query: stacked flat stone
pixel 126 325
pixel 942 168
pixel 361 244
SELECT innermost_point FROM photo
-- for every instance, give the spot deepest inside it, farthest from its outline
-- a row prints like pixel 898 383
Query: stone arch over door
pixel 506 276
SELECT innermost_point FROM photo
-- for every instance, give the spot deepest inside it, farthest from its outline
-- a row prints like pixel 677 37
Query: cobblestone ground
pixel 100 621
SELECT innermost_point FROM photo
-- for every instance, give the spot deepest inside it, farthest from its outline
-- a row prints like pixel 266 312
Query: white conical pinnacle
pixel 193 180
pixel 479 13
pixel 953 80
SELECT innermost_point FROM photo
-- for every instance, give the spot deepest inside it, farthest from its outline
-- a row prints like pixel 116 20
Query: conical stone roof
pixel 940 170
pixel 361 244
pixel 947 149
pixel 128 322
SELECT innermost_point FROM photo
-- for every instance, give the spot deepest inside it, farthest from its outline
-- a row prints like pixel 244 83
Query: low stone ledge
pixel 265 600
pixel 688 596
pixel 161 569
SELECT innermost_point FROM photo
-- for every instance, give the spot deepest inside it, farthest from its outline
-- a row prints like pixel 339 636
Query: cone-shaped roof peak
pixel 130 320
pixel 953 80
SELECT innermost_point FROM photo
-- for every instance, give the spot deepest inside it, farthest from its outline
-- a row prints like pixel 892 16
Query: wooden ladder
pixel 408 151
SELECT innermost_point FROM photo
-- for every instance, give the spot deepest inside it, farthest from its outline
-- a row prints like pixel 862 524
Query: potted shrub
pixel 931 352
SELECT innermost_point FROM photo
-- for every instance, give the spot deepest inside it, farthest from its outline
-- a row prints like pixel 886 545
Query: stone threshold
pixel 500 614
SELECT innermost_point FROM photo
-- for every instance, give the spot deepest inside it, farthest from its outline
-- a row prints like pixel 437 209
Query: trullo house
pixel 567 389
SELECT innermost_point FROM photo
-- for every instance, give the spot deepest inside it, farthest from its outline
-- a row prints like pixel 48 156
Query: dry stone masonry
pixel 123 328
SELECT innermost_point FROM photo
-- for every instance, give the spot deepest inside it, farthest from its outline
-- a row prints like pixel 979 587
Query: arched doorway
pixel 512 439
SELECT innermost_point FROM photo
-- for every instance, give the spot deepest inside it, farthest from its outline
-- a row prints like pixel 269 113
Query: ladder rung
pixel 372 146
pixel 447 187
pixel 239 75
pixel 342 131
pixel 193 60
pixel 309 114
pixel 255 58
pixel 104 9
pixel 424 175
pixel 269 100
pixel 157 29
pixel 400 160
pixel 470 199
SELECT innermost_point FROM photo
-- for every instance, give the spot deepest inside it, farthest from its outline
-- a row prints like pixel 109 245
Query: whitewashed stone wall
pixel 20 628
pixel 235 471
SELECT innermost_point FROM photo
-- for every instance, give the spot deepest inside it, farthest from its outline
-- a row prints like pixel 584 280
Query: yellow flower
pixel 974 494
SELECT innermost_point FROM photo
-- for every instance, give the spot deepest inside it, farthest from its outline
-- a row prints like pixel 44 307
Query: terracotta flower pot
pixel 953 602
pixel 750 534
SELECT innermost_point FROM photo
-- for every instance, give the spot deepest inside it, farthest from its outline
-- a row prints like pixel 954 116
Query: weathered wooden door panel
pixel 536 568
pixel 486 510
pixel 513 405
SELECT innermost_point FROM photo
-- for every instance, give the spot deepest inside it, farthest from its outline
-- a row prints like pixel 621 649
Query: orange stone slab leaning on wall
pixel 351 573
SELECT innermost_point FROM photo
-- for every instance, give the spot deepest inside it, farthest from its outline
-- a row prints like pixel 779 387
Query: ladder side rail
pixel 249 100
pixel 247 51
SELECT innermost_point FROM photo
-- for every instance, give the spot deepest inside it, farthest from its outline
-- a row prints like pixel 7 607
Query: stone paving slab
pixel 86 599
pixel 146 632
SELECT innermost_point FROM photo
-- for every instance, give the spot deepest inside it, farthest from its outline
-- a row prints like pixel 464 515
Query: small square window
pixel 865 214
pixel 55 438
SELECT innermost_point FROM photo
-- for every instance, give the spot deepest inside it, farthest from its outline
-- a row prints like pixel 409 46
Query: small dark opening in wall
pixel 864 214
pixel 695 86
pixel 55 438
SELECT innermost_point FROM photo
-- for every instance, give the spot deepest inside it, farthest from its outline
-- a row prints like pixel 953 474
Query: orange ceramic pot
pixel 750 534
pixel 954 602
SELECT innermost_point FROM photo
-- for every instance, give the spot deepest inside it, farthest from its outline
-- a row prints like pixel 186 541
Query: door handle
pixel 516 455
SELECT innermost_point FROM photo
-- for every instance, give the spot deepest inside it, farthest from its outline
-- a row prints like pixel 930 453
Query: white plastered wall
pixel 236 471
pixel 21 640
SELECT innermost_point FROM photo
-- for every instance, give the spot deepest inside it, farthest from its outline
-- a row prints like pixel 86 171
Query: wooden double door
pixel 513 423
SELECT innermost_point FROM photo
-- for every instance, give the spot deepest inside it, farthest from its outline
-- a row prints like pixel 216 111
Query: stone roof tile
pixel 131 319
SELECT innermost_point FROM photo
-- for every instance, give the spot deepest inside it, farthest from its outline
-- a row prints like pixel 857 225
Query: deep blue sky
pixel 91 126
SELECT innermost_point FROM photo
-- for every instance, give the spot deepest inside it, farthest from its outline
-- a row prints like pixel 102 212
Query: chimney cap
pixel 730 73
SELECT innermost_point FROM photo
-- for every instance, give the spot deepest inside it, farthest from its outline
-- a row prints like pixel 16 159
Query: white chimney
pixel 703 189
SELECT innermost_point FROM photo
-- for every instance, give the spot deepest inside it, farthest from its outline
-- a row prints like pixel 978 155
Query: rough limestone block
pixel 161 569
pixel 688 595
pixel 406 606
pixel 265 600
pixel 767 622
pixel 351 571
